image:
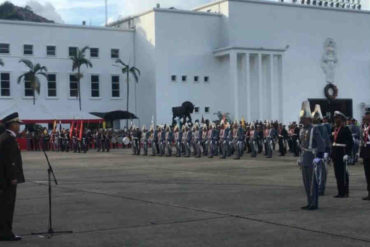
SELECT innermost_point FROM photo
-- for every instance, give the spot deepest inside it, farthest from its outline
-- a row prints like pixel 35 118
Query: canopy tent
pixel 41 114
pixel 115 115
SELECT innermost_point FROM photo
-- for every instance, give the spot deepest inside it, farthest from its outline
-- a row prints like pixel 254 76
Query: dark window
pixel 73 86
pixel 28 91
pixel 115 86
pixel 183 78
pixel 4 48
pixel 72 51
pixel 52 85
pixel 50 50
pixel 196 78
pixel 196 109
pixel 95 86
pixel 114 53
pixel 206 109
pixel 173 78
pixel 28 49
pixel 94 52
pixel 5 84
pixel 206 79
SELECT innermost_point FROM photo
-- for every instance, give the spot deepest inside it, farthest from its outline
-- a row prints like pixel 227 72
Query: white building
pixel 253 59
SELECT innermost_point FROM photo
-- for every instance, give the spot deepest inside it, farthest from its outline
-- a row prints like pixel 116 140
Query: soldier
pixel 169 141
pixel 239 145
pixel 295 139
pixel 223 138
pixel 365 152
pixel 145 138
pixel 322 165
pixel 98 139
pixel 162 141
pixel 198 140
pixel 312 146
pixel 282 137
pixel 11 174
pixel 154 139
pixel 178 140
pixel 210 140
pixel 356 135
pixel 188 138
pixel 341 151
pixel 205 140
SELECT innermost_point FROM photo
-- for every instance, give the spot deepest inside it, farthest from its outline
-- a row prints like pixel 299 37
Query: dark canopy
pixel 114 115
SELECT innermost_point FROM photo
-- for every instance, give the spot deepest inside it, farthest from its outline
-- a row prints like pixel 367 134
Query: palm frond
pixel 124 70
pixel 21 77
pixel 1 62
pixel 83 50
pixel 43 74
pixel 121 62
pixel 134 73
pixel 27 62
pixel 36 85
pixel 86 62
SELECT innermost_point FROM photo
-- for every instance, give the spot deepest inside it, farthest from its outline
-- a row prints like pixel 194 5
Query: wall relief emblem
pixel 329 60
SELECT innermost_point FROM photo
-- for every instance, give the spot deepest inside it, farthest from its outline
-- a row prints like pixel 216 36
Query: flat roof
pixel 57 25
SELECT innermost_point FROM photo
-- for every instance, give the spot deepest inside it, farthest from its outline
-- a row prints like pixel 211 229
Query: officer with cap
pixel 11 174
pixel 341 151
pixel 312 146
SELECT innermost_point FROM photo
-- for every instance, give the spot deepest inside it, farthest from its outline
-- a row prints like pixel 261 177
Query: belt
pixel 339 145
pixel 312 150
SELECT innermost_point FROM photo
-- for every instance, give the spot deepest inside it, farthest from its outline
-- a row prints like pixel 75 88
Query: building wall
pixel 62 36
pixel 304 31
pixel 184 47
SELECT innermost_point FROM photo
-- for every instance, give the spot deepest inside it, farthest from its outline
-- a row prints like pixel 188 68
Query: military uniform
pixel 365 154
pixel 10 170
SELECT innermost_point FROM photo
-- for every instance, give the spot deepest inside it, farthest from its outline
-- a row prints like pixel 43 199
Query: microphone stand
pixel 49 234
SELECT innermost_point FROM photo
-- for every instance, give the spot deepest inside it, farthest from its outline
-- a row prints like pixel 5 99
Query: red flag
pixel 71 130
pixel 81 129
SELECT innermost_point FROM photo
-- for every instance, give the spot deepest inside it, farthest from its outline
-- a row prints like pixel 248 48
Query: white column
pixel 234 82
pixel 248 82
pixel 272 86
pixel 260 89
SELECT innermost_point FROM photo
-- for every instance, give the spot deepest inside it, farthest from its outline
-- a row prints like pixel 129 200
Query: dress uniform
pixel 322 165
pixel 341 151
pixel 365 152
pixel 11 174
pixel 312 146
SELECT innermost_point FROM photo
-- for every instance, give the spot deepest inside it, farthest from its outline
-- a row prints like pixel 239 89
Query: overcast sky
pixel 92 11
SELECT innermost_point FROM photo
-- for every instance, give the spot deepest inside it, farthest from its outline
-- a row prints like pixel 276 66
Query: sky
pixel 93 11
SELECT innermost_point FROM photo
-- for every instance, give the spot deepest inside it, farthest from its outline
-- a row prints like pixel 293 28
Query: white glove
pixel 316 160
pixel 326 156
pixel 345 158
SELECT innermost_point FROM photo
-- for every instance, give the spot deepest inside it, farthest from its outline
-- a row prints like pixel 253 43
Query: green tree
pixel 79 59
pixel 34 70
pixel 127 70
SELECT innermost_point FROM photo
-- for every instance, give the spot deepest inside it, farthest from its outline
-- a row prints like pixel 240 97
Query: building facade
pixel 253 59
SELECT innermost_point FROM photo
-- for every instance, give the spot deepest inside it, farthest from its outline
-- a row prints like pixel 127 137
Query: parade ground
pixel 117 199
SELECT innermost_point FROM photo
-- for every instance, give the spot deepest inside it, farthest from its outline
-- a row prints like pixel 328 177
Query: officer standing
pixel 11 174
pixel 312 146
pixel 365 152
pixel 341 151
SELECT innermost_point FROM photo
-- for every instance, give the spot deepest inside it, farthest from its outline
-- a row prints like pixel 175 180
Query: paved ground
pixel 117 199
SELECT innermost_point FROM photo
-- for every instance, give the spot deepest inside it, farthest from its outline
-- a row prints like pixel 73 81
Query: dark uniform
pixel 365 154
pixel 10 169
pixel 342 146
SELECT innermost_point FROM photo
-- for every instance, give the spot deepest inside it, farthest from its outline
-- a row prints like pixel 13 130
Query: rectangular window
pixel 28 91
pixel 72 51
pixel 73 86
pixel 115 86
pixel 196 78
pixel 206 109
pixel 183 78
pixel 94 52
pixel 5 84
pixel 52 85
pixel 4 48
pixel 196 109
pixel 95 92
pixel 173 78
pixel 206 79
pixel 28 49
pixel 114 53
pixel 50 50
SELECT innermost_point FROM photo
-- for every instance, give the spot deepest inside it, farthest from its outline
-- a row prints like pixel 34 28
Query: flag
pixel 54 126
pixel 243 122
pixel 81 130
pixel 104 124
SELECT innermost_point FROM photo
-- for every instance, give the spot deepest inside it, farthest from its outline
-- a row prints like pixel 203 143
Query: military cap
pixel 12 118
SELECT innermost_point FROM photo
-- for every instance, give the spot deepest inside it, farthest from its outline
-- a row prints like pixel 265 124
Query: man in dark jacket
pixel 11 174
pixel 341 151
pixel 365 152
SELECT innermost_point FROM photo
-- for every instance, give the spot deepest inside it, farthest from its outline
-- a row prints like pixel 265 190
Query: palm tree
pixel 1 62
pixel 78 60
pixel 127 70
pixel 32 75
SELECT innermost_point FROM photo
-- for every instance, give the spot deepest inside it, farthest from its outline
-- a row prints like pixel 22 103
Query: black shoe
pixel 321 193
pixel 305 207
pixel 12 238
pixel 313 208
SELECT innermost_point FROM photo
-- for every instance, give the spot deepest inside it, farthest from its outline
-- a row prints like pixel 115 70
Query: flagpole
pixel 106 12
